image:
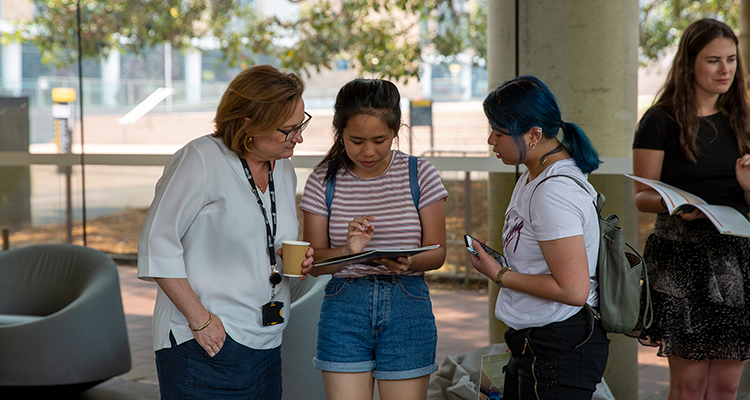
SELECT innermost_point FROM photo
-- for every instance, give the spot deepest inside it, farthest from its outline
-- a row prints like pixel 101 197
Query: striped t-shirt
pixel 386 197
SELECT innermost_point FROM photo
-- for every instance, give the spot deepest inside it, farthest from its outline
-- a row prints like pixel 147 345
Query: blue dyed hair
pixel 525 102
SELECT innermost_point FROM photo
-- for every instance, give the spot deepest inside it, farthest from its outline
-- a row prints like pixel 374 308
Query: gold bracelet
pixel 499 277
pixel 210 318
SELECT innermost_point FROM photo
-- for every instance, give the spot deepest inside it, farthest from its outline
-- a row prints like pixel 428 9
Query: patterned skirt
pixel 700 288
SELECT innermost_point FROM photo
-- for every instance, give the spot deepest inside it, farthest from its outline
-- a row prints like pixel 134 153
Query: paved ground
pixel 462 319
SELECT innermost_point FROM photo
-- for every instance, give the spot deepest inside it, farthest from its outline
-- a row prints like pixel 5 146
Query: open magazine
pixel 726 219
pixel 492 375
pixel 368 257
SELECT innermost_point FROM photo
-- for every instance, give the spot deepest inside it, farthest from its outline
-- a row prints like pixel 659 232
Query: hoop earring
pixel 533 146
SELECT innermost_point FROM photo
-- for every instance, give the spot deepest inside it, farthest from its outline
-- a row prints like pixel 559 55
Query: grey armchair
pixel 61 318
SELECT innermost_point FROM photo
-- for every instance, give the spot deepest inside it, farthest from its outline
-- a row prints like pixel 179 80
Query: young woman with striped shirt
pixel 376 322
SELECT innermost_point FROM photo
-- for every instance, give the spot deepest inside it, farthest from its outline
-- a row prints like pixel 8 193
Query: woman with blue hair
pixel 551 242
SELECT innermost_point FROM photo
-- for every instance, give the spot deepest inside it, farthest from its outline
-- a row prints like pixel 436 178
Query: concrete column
pixel 111 78
pixel 501 66
pixel 193 72
pixel 168 73
pixel 11 68
pixel 425 79
pixel 465 80
pixel 586 52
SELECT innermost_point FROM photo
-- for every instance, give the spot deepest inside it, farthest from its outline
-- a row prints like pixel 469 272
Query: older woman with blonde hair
pixel 212 240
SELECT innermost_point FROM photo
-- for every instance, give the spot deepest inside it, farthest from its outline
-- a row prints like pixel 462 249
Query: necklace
pixel 262 176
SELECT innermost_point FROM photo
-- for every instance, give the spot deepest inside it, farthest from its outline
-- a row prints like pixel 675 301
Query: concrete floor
pixel 462 319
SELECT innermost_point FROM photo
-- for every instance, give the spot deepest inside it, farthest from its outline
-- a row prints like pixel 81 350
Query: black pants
pixel 550 362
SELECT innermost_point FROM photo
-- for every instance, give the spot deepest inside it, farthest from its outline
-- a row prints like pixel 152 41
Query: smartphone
pixel 489 250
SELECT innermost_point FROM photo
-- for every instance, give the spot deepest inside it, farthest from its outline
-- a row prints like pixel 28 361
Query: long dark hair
pixel 677 96
pixel 376 97
pixel 524 102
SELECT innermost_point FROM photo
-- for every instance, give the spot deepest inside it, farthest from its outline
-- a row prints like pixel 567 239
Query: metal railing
pixel 610 165
pixel 467 165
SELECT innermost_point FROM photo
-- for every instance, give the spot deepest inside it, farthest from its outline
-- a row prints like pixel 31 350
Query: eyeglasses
pixel 291 134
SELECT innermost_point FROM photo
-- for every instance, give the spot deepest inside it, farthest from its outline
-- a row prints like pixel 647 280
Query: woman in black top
pixel 696 137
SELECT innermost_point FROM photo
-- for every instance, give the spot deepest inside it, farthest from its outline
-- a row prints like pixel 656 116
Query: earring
pixel 533 146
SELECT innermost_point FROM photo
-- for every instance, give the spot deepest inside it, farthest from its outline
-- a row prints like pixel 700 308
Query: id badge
pixel 271 312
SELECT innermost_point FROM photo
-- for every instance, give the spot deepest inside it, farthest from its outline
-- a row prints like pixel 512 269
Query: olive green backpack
pixel 619 270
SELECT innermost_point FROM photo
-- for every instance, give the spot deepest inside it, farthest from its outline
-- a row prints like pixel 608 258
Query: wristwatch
pixel 499 277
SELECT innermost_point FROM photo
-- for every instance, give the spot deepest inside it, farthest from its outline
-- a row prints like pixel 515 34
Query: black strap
pixel 270 234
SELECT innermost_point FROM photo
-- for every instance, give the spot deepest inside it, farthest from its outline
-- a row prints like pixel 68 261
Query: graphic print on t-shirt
pixel 512 230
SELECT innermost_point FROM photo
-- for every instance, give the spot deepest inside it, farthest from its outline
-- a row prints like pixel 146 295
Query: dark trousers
pixel 236 372
pixel 547 362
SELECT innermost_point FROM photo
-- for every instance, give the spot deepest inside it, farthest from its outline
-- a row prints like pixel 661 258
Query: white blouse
pixel 205 225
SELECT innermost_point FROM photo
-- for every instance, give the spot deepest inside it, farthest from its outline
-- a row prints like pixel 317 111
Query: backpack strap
pixel 414 181
pixel 599 197
pixel 330 188
pixel 413 185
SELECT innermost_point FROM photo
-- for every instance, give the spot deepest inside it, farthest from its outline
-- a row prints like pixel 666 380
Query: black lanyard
pixel 270 234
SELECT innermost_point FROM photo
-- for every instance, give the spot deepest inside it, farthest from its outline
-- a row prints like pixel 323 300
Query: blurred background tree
pixel 122 24
pixel 385 38
pixel 662 21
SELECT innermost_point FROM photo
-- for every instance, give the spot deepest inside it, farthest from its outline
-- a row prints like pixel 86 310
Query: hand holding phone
pixel 489 250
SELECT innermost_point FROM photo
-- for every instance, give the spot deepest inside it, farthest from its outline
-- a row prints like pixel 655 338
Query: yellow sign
pixel 63 95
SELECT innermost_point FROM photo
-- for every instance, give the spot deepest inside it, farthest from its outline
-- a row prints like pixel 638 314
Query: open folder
pixel 368 257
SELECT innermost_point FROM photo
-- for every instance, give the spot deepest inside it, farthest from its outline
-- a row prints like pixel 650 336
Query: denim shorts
pixel 378 323
pixel 236 372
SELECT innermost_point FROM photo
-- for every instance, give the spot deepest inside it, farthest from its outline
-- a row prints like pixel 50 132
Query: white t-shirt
pixel 561 209
pixel 205 225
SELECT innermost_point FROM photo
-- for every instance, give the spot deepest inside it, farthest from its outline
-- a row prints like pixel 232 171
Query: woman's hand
pixel 359 234
pixel 399 266
pixel 181 294
pixel 695 213
pixel 742 170
pixel 307 265
pixel 212 337
pixel 483 262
